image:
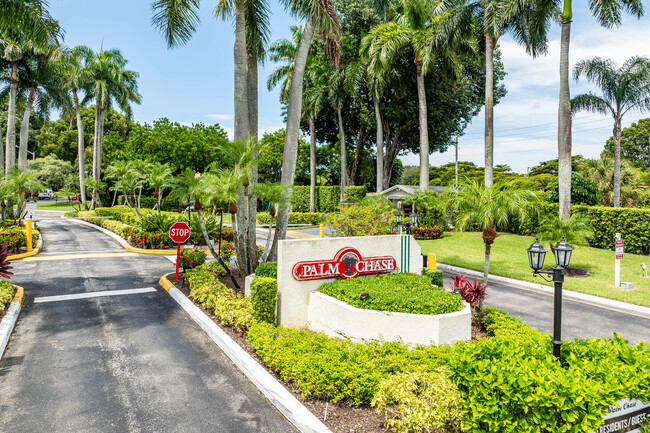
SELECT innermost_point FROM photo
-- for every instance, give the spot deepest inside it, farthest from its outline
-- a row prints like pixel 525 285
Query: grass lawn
pixel 509 258
pixel 51 205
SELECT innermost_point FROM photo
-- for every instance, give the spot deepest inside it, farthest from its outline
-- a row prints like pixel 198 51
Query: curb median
pixel 597 301
pixel 9 321
pixel 123 242
pixel 295 412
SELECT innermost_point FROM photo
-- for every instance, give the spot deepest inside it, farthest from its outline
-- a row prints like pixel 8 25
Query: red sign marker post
pixel 179 233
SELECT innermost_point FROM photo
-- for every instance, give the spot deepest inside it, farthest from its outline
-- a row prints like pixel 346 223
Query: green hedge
pixel 311 218
pixel 328 198
pixel 435 275
pixel 268 269
pixel 145 202
pixel 264 292
pixel 6 294
pixel 406 293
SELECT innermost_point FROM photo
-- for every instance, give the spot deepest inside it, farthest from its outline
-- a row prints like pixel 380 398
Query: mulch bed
pixel 340 417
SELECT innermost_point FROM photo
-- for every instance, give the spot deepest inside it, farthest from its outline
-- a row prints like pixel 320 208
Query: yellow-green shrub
pixel 419 402
pixel 6 294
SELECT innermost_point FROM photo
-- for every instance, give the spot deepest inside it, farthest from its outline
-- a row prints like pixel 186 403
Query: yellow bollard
pixel 432 261
pixel 322 230
pixel 28 234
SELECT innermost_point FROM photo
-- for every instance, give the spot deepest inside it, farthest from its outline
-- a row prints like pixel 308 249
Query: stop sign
pixel 179 232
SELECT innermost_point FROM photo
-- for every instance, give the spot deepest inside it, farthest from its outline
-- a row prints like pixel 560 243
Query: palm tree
pixel 159 177
pixel 319 15
pixel 486 208
pixel 608 13
pixel 432 34
pixel 110 82
pixel 76 77
pixel 22 183
pixel 525 21
pixel 632 190
pixel 114 172
pixel 26 28
pixel 624 89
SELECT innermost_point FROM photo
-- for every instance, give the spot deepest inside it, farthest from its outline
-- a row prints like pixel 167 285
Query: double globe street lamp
pixel 408 223
pixel 536 255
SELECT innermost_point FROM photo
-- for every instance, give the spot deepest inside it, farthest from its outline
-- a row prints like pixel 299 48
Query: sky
pixel 194 83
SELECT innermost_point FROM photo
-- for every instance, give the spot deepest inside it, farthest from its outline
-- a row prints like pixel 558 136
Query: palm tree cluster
pixel 36 68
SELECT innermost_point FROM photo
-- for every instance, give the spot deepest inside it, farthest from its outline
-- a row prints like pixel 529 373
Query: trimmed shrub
pixel 328 198
pixel 6 294
pixel 312 218
pixel 191 258
pixel 422 233
pixel 264 292
pixel 268 269
pixel 633 224
pixel 145 202
pixel 435 275
pixel 406 293
pixel 419 402
pixel 150 240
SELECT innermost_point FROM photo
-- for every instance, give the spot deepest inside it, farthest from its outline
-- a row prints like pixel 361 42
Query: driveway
pixel 99 347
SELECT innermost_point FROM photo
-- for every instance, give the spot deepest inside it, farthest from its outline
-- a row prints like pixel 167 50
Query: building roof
pixel 401 191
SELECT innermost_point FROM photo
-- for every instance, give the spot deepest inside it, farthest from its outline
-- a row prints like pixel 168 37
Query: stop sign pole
pixel 179 233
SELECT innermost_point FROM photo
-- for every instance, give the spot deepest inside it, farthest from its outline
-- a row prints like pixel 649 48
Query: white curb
pixel 7 325
pixel 115 236
pixel 576 296
pixel 282 399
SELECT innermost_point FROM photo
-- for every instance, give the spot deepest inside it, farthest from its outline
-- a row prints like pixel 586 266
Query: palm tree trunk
pixel 251 227
pixel 344 153
pixel 424 130
pixel 2 152
pixel 268 239
pixel 617 161
pixel 489 110
pixel 159 201
pixel 294 110
pixel 127 200
pixel 564 120
pixel 312 162
pixel 380 146
pixel 24 131
pixel 96 158
pixel 10 153
pixel 204 231
pixel 80 152
pixel 242 127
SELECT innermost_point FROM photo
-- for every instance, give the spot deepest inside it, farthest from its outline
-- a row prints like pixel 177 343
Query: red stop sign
pixel 179 232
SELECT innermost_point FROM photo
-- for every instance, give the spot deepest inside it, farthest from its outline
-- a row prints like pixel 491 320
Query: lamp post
pixel 411 222
pixel 536 255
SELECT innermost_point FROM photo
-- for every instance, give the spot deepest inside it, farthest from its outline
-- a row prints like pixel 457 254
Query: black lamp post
pixel 412 222
pixel 536 255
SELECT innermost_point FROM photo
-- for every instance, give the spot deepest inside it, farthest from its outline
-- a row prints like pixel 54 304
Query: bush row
pixel 406 293
pixel 264 298
pixel 6 294
pixel 328 198
pixel 311 218
pixel 632 223
pixel 229 308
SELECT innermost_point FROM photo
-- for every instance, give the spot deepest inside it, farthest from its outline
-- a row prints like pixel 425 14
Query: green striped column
pixel 405 253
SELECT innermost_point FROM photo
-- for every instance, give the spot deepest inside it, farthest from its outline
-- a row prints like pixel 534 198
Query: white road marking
pixel 93 295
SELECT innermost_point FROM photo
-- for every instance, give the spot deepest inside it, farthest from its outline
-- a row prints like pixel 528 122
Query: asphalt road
pixel 579 320
pixel 118 363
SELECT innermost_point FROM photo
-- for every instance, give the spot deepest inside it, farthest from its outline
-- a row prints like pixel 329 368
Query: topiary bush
pixel 434 275
pixel 268 269
pixel 264 292
pixel 406 293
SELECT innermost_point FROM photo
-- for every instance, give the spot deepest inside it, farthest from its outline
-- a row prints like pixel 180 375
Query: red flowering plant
pixel 191 258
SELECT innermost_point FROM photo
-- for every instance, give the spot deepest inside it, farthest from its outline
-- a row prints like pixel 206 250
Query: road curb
pixel 33 252
pixel 283 400
pixel 597 301
pixel 9 321
pixel 123 242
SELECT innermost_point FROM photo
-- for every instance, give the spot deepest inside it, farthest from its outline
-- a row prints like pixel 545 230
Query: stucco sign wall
pixel 305 264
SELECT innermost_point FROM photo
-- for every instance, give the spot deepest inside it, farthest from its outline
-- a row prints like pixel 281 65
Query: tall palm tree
pixel 110 83
pixel 77 77
pixel 25 28
pixel 432 33
pixel 320 15
pixel 623 89
pixel 608 13
pixel 525 21
pixel 486 208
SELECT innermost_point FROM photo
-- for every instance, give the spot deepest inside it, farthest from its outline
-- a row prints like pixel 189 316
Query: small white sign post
pixel 30 207
pixel 619 256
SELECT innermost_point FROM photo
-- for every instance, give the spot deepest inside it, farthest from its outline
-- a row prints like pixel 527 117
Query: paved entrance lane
pixel 125 362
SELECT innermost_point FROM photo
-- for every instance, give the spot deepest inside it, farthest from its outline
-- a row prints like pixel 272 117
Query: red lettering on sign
pixel 347 263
